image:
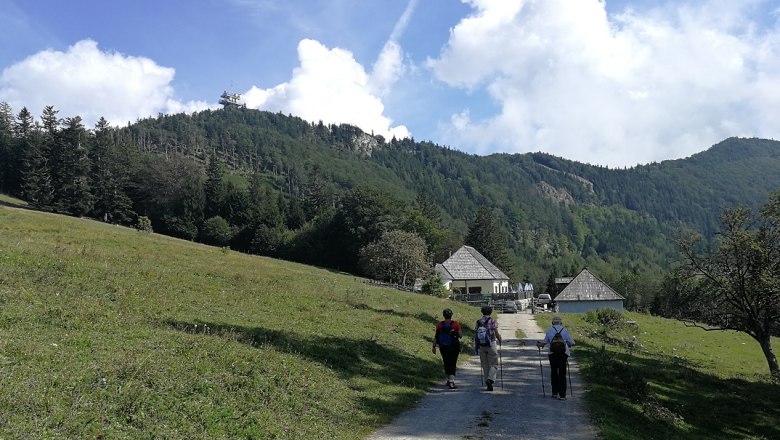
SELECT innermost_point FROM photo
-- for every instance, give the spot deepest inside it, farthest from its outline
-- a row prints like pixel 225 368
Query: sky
pixel 614 83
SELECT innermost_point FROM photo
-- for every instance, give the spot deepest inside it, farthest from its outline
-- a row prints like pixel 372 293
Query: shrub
pixel 215 231
pixel 607 317
pixel 144 224
pixel 435 286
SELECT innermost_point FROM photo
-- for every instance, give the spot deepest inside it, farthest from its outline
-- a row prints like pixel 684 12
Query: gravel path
pixel 515 411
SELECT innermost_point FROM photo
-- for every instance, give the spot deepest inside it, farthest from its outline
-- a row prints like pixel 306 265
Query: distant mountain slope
pixel 689 191
pixel 556 213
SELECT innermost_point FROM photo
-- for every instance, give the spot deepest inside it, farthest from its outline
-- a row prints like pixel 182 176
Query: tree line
pixel 111 174
pixel 274 184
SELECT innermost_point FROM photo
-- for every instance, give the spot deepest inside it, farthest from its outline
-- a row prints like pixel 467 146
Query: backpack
pixel 557 344
pixel 484 335
pixel 445 336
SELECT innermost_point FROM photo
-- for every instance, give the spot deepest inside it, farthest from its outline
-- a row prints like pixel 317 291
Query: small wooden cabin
pixel 587 292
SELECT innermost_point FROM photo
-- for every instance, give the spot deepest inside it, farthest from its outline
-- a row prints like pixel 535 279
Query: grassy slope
pixel 109 332
pixel 675 382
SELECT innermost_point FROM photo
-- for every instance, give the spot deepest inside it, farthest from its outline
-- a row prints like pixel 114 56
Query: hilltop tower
pixel 231 100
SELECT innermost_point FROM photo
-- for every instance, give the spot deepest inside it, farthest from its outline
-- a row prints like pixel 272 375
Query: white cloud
pixel 387 69
pixel 329 85
pixel 612 89
pixel 91 83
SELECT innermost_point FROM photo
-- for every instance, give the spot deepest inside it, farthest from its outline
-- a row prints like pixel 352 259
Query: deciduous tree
pixel 737 282
pixel 397 257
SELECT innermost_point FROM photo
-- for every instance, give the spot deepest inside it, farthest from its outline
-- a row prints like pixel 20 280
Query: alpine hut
pixel 472 275
pixel 587 292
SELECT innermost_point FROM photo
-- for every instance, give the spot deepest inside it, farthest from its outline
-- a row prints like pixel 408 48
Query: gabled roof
pixel 587 287
pixel 468 264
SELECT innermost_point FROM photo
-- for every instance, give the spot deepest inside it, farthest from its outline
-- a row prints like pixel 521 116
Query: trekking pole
pixel 541 370
pixel 501 365
pixel 568 372
pixel 481 370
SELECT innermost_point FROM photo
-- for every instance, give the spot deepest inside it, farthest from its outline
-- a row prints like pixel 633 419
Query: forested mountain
pixel 276 185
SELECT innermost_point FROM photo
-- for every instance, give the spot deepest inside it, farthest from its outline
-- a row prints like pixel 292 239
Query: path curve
pixel 515 411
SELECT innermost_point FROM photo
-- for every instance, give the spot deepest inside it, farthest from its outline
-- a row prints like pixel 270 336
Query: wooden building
pixel 586 292
pixel 470 274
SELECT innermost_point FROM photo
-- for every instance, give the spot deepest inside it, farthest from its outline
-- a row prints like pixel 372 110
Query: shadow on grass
pixel 11 204
pixel 424 317
pixel 675 399
pixel 345 356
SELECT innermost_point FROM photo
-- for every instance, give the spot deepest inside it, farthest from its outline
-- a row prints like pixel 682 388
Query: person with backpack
pixel 447 337
pixel 486 341
pixel 559 340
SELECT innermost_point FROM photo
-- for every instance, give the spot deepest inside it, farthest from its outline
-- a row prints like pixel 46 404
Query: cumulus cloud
pixel 88 82
pixel 619 89
pixel 329 85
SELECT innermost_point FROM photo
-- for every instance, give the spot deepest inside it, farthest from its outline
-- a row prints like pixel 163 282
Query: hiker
pixel 485 344
pixel 559 340
pixel 447 337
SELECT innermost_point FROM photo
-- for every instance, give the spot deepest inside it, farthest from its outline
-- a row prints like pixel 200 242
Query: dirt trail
pixel 515 411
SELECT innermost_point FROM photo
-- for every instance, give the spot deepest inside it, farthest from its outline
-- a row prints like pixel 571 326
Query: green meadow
pixel 658 379
pixel 107 332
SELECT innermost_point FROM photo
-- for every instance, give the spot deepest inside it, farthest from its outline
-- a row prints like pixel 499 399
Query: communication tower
pixel 231 100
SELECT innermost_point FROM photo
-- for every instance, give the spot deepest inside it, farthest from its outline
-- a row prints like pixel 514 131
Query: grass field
pixel 107 332
pixel 673 381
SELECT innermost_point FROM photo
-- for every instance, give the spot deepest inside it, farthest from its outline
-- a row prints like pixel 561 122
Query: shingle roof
pixel 587 287
pixel 468 264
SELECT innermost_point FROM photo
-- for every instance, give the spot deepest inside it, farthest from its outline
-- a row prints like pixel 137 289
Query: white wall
pixel 487 286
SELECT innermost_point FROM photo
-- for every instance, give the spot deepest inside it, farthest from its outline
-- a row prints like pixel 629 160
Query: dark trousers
pixel 558 373
pixel 450 357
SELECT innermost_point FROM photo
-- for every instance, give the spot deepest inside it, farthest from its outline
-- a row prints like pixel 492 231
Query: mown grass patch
pixel 107 332
pixel 658 379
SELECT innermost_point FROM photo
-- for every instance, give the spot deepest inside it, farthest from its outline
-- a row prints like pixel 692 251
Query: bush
pixel 266 241
pixel 144 224
pixel 435 286
pixel 215 231
pixel 607 317
pixel 180 227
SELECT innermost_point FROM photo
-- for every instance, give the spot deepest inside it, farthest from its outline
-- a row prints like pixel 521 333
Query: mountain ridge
pixel 552 215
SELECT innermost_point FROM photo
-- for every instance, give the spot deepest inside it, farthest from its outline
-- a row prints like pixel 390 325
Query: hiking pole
pixel 541 370
pixel 481 372
pixel 501 365
pixel 568 372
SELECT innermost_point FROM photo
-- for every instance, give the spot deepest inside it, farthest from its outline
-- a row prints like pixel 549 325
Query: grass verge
pixel 658 379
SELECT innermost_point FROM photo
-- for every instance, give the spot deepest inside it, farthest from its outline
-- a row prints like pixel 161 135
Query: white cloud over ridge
pixel 88 82
pixel 331 86
pixel 611 89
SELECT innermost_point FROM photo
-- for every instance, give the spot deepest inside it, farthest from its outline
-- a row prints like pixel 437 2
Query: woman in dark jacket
pixel 447 337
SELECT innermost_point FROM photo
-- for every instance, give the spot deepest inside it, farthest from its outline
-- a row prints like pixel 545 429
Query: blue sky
pixel 615 83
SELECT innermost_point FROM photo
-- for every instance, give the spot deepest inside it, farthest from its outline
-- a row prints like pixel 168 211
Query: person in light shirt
pixel 557 358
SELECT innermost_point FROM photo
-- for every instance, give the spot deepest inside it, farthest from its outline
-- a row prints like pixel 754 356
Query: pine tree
pixel 108 179
pixel 214 189
pixel 550 287
pixel 9 163
pixel 486 235
pixel 428 208
pixel 35 182
pixel 74 193
pixel 52 147
pixel 295 215
pixel 315 195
